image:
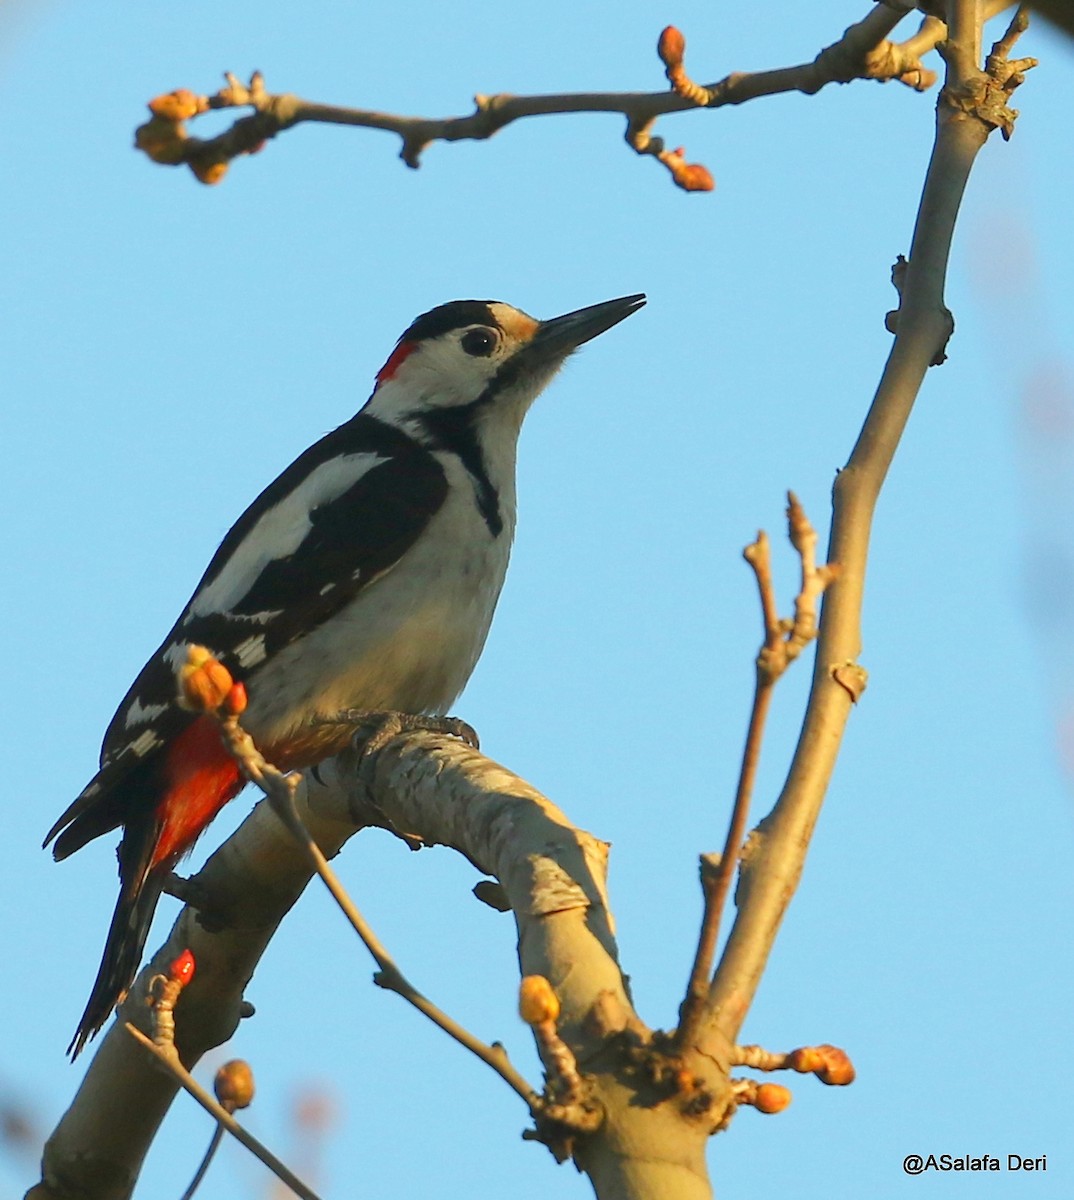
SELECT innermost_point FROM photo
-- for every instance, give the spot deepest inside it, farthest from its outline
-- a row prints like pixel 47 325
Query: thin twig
pixel 830 1064
pixel 169 1059
pixel 783 642
pixel 206 684
pixel 205 1164
pixel 716 879
pixel 389 975
pixel 861 53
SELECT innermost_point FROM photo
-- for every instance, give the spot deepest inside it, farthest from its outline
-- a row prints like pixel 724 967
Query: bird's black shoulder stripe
pixel 352 540
pixel 452 429
pixel 362 434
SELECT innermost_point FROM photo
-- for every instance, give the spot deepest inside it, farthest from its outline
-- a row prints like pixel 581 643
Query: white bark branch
pixel 554 876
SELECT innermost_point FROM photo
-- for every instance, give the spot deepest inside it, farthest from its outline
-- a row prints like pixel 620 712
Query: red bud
pixel 235 700
pixel 182 969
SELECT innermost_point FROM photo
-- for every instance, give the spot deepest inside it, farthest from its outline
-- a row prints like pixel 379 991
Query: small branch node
pixel 538 1006
pixel 767 1098
pixel 671 47
pixel 899 271
pixel 411 151
pixel 786 638
pixel 492 893
pixel 828 1063
pixel 900 61
pixel 164 991
pixel 852 678
pixel 985 95
pixel 709 869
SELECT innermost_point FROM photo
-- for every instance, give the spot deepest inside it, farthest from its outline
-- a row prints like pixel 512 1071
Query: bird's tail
pixel 140 890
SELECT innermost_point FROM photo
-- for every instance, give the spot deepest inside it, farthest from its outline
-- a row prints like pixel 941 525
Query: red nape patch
pixel 395 360
pixel 200 778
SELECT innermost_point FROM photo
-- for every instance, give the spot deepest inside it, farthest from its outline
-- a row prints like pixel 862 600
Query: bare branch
pixel 861 53
pixel 234 1088
pixel 783 642
pixel 205 1164
pixel 206 685
pixel 773 866
pixel 553 876
pixel 830 1064
pixel 167 1057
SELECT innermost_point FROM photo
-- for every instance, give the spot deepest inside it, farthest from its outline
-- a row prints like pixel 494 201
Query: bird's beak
pixel 560 336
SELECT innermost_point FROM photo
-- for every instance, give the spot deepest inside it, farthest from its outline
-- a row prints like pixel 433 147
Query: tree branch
pixel 96 1150
pixel 282 790
pixel 654 1117
pixel 169 1062
pixel 967 110
pixel 784 641
pixel 863 52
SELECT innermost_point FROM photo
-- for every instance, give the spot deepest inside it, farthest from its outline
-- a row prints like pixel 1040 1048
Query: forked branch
pixel 784 640
pixel 863 52
pixel 972 103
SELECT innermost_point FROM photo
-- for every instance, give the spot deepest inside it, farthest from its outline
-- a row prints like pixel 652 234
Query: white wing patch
pixel 175 656
pixel 280 531
pixel 257 618
pixel 143 743
pixel 251 651
pixel 141 714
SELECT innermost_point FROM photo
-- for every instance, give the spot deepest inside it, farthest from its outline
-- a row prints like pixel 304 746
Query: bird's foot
pixel 382 726
pixel 385 725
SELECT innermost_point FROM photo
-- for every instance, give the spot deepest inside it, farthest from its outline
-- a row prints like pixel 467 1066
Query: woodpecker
pixel 364 577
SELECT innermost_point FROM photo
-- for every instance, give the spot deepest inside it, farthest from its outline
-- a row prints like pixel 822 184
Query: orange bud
pixel 807 1059
pixel 693 177
pixel 175 106
pixel 209 172
pixel 671 47
pixel 537 1002
pixel 234 1085
pixel 162 140
pixel 837 1069
pixel 182 969
pixel 771 1098
pixel 235 700
pixel 204 683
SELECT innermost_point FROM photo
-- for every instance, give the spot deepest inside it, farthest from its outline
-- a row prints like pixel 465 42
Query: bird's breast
pixel 407 642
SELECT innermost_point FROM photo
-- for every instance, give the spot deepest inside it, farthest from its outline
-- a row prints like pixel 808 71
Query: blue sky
pixel 168 348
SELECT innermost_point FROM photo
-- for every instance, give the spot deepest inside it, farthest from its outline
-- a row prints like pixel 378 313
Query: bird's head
pixel 472 357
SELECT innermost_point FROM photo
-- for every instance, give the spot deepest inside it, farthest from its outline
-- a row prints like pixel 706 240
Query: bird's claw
pixel 383 726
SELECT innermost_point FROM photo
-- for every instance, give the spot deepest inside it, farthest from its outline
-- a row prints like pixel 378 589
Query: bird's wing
pixel 344 513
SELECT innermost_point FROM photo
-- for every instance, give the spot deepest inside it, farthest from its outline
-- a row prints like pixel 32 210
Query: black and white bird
pixel 364 577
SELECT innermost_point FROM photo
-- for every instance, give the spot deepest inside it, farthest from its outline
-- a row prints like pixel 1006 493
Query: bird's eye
pixel 480 342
